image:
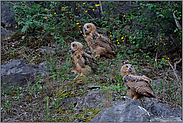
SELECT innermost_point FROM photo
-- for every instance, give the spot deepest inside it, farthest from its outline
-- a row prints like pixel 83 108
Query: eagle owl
pixel 97 43
pixel 138 85
pixel 83 62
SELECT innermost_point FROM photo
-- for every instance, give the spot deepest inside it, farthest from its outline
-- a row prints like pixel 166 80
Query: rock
pixel 95 100
pixel 133 111
pixel 7 15
pixel 17 72
pixel 47 50
pixel 127 111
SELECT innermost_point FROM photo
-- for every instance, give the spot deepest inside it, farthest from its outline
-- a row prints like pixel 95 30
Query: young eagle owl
pixel 83 61
pixel 138 85
pixel 97 43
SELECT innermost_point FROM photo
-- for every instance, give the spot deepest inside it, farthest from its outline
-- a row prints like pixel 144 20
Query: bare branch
pixel 177 22
pixel 174 68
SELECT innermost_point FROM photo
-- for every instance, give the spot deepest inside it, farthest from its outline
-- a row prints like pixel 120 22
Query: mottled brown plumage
pixel 138 85
pixel 83 62
pixel 98 44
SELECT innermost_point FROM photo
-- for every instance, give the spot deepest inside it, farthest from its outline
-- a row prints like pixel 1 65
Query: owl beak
pixel 130 69
pixel 69 50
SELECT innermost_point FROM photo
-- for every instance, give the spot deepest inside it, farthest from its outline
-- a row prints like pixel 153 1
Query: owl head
pixel 127 68
pixel 76 46
pixel 88 27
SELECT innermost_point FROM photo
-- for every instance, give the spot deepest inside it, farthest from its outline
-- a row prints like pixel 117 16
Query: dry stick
pixel 101 6
pixel 175 68
pixel 156 60
pixel 177 22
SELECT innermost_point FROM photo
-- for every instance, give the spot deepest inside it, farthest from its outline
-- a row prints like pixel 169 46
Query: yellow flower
pixel 98 4
pixel 67 6
pixel 122 37
pixel 160 39
pixel 16 26
pixel 77 23
pixel 84 3
pixel 154 20
pixel 118 42
pixel 155 44
pixel 162 59
pixel 86 11
pixel 97 37
pixel 79 5
pixel 93 9
pixel 165 60
pixel 70 17
pixel 170 78
pixel 23 4
pixel 55 13
pixel 85 35
pixel 168 58
pixel 76 8
pixel 110 35
pixel 110 32
pixel 123 40
pixel 50 14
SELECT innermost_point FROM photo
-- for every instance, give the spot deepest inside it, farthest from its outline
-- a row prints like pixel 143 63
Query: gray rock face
pixel 134 111
pixel 7 15
pixel 131 111
pixel 17 72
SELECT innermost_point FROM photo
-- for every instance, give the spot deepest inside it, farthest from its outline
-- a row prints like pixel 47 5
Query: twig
pixel 101 6
pixel 174 68
pixel 176 21
pixel 156 60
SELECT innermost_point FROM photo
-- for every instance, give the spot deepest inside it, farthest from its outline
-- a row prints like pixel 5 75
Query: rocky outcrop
pixel 17 72
pixel 134 111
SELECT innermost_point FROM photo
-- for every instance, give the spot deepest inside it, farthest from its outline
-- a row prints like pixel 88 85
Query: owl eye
pixel 74 46
pixel 88 27
pixel 126 67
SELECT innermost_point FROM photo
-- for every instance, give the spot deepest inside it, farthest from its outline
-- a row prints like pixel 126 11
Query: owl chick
pixel 97 43
pixel 138 85
pixel 83 61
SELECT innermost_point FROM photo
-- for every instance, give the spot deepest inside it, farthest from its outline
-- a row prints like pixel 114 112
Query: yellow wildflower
pixel 77 23
pixel 16 26
pixel 155 44
pixel 122 37
pixel 84 3
pixel 110 35
pixel 67 6
pixel 55 13
pixel 79 26
pixel 85 35
pixel 86 11
pixel 70 17
pixel 50 14
pixel 76 8
pixel 170 78
pixel 165 60
pixel 110 32
pixel 168 58
pixel 97 4
pixel 160 39
pixel 123 40
pixel 162 59
pixel 118 42
pixel 23 4
pixel 93 9
pixel 97 37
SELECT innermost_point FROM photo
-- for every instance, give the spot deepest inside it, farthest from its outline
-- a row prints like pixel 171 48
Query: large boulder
pixel 127 111
pixel 17 72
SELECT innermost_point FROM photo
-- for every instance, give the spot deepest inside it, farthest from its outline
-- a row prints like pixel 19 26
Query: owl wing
pixel 139 83
pixel 81 63
pixel 103 42
pixel 89 60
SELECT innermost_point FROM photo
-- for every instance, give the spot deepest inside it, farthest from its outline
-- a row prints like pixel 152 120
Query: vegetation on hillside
pixel 147 35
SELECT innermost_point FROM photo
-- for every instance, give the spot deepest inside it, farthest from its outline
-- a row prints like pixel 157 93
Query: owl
pixel 138 85
pixel 83 62
pixel 97 43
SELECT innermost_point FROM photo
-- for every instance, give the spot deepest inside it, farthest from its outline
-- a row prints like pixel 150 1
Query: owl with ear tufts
pixel 97 43
pixel 138 85
pixel 83 62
